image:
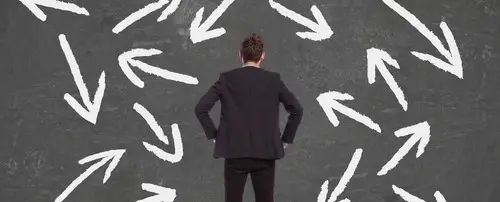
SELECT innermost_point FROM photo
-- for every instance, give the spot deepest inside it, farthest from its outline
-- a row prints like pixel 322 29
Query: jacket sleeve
pixel 294 109
pixel 205 104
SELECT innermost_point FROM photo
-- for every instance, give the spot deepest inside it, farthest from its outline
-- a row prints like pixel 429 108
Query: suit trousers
pixel 262 175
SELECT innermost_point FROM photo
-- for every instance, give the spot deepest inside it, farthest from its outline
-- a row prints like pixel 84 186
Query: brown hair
pixel 252 48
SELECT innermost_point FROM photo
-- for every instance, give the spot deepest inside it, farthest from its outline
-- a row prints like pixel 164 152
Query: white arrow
pixel 454 64
pixel 349 172
pixel 162 194
pixel 179 151
pixel 135 16
pixel 113 155
pixel 320 30
pixel 32 5
pixel 89 114
pixel 127 58
pixel 169 10
pixel 199 32
pixel 328 101
pixel 410 198
pixel 420 132
pixel 375 59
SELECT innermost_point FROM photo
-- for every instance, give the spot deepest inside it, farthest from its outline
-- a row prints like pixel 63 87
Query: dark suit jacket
pixel 249 121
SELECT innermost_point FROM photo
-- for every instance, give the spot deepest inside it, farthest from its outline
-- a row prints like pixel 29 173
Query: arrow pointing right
pixel 454 64
pixel 127 58
pixel 137 15
pixel 328 101
pixel 162 194
pixel 376 58
pixel 150 119
pixel 32 5
pixel 113 155
pixel 420 132
pixel 410 198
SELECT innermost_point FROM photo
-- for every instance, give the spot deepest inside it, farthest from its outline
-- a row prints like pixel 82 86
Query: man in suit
pixel 248 135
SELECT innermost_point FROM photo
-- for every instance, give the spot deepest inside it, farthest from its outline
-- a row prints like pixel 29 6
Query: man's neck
pixel 251 64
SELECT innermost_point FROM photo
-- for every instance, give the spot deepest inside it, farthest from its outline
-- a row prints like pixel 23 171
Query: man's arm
pixel 294 108
pixel 202 109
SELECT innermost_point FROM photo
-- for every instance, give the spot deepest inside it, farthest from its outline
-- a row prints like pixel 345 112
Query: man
pixel 248 136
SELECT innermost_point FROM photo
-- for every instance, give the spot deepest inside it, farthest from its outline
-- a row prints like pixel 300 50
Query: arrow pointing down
pixel 199 31
pixel 410 198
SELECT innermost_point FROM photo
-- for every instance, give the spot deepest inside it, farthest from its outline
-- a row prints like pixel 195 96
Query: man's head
pixel 252 49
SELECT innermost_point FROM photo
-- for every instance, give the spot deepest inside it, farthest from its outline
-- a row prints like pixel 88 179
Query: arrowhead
pixel 113 155
pixel 162 194
pixel 199 32
pixel 90 114
pixel 127 57
pixel 454 64
pixel 321 30
pixel 411 198
pixel 32 5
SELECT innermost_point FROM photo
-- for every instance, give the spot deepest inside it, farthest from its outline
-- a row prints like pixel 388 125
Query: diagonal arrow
pixel 375 59
pixel 32 5
pixel 89 114
pixel 328 101
pixel 113 155
pixel 419 132
pixel 127 58
pixel 137 15
pixel 199 31
pixel 454 64
pixel 162 194
pixel 169 10
pixel 349 172
pixel 179 151
pixel 320 30
pixel 410 198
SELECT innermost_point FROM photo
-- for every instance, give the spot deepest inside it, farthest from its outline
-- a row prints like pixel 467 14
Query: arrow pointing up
pixel 127 58
pixel 410 198
pixel 113 155
pixel 150 119
pixel 376 58
pixel 199 31
pixel 89 114
pixel 32 5
pixel 420 132
pixel 162 194
pixel 137 15
pixel 349 172
pixel 328 101
pixel 454 64
pixel 320 30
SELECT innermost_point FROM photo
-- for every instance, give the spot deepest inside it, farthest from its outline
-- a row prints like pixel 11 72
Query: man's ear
pixel 263 56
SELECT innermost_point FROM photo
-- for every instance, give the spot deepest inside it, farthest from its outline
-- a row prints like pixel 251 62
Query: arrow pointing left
pixel 89 114
pixel 113 155
pixel 162 194
pixel 410 198
pixel 32 5
pixel 320 30
pixel 127 58
pixel 375 59
pixel 419 132
pixel 150 119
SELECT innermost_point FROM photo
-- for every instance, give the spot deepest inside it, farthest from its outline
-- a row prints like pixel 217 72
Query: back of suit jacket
pixel 249 122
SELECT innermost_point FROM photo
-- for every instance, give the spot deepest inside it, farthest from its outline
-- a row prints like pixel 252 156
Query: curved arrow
pixel 320 30
pixel 199 31
pixel 162 194
pixel 328 101
pixel 89 114
pixel 32 5
pixel 376 58
pixel 137 15
pixel 419 132
pixel 127 58
pixel 454 64
pixel 349 172
pixel 410 198
pixel 113 155
pixel 179 151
